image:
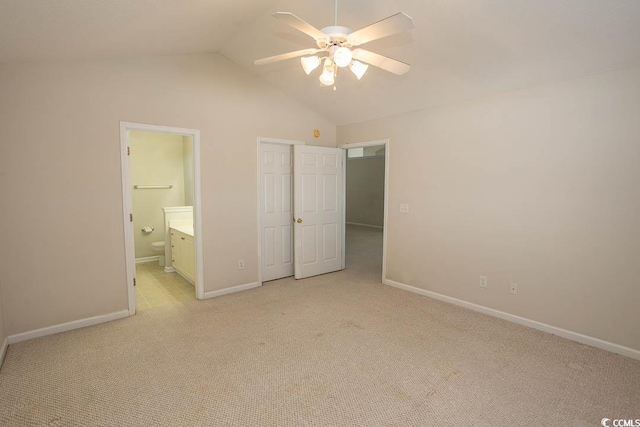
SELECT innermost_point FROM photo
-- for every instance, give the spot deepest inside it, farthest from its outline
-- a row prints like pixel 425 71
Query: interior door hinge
pixel 128 151
pixel 134 281
pixel 130 217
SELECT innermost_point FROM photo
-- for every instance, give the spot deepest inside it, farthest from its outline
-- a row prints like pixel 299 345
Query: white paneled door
pixel 318 210
pixel 277 216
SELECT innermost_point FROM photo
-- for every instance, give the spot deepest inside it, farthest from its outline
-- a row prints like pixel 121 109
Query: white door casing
pixel 127 202
pixel 276 183
pixel 318 210
pixel 387 155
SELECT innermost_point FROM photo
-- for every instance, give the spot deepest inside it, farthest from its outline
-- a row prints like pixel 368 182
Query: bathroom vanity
pixel 183 253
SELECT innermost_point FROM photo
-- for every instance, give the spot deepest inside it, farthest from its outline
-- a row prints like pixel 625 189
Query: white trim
pixel 387 162
pixel 197 216
pixel 147 259
pixel 265 140
pixel 231 290
pixel 174 209
pixel 128 205
pixel 69 326
pixel 127 209
pixel 364 144
pixel 3 350
pixel 564 333
pixel 359 224
pixel 343 221
pixel 169 269
pixel 278 141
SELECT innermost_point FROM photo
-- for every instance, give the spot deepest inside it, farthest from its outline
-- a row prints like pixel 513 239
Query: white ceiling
pixel 68 29
pixel 459 50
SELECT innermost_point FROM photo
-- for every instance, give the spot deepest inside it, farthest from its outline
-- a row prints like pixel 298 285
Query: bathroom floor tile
pixel 155 287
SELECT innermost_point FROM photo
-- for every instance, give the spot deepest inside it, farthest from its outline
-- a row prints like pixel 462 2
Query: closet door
pixel 277 216
pixel 318 209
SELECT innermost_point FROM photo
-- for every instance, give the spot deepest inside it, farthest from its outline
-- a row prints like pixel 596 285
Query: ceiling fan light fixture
pixel 335 44
pixel 310 63
pixel 358 68
pixel 328 76
pixel 342 57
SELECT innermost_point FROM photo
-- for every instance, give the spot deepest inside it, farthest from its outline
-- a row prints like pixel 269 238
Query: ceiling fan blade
pixel 300 25
pixel 388 26
pixel 386 63
pixel 284 56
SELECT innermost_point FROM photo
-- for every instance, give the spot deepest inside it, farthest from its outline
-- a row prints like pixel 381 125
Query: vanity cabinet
pixel 183 254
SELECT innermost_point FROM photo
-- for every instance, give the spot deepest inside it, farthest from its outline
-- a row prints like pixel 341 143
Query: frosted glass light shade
pixel 358 68
pixel 327 77
pixel 309 63
pixel 342 57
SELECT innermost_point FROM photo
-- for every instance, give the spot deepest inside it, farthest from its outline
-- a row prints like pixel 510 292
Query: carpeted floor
pixel 335 350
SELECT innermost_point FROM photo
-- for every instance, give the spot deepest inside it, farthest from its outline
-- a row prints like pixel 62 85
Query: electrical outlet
pixel 483 281
pixel 513 288
pixel 240 264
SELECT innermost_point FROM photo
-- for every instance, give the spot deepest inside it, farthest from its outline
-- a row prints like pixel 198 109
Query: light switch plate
pixel 404 208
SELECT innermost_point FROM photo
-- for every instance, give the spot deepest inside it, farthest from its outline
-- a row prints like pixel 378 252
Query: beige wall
pixel 3 332
pixel 187 156
pixel 156 159
pixel 539 186
pixel 365 190
pixel 61 181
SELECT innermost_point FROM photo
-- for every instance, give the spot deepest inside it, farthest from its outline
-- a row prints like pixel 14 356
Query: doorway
pixel 161 199
pixel 366 201
pixel 279 215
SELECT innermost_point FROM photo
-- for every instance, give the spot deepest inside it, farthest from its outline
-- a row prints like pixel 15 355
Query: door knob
pixel 299 220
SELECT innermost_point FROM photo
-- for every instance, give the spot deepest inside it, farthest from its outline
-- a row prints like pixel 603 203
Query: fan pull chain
pixel 336 14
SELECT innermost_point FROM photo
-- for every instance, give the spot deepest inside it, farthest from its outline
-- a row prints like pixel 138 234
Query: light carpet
pixel 335 350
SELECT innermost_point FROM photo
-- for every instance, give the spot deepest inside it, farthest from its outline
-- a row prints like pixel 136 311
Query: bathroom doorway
pixel 161 188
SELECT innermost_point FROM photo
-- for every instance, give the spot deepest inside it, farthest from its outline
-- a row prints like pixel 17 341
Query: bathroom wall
pixel 61 180
pixel 187 155
pixel 156 159
pixel 365 190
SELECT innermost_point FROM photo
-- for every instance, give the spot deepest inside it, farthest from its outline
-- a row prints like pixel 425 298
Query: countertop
pixel 186 229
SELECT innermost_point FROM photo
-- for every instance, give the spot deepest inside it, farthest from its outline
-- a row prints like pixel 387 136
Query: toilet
pixel 159 248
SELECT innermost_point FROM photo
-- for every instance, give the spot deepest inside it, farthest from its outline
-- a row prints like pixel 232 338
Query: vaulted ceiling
pixel 459 50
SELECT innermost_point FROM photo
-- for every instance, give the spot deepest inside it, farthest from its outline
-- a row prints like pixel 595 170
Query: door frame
pixel 387 149
pixel 127 203
pixel 264 140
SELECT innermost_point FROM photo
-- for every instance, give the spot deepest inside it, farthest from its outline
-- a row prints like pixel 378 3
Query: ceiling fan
pixel 337 46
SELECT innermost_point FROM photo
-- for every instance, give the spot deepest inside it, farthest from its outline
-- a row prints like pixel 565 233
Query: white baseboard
pixel 3 350
pixel 147 259
pixel 379 227
pixel 564 333
pixel 169 270
pixel 231 290
pixel 64 327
